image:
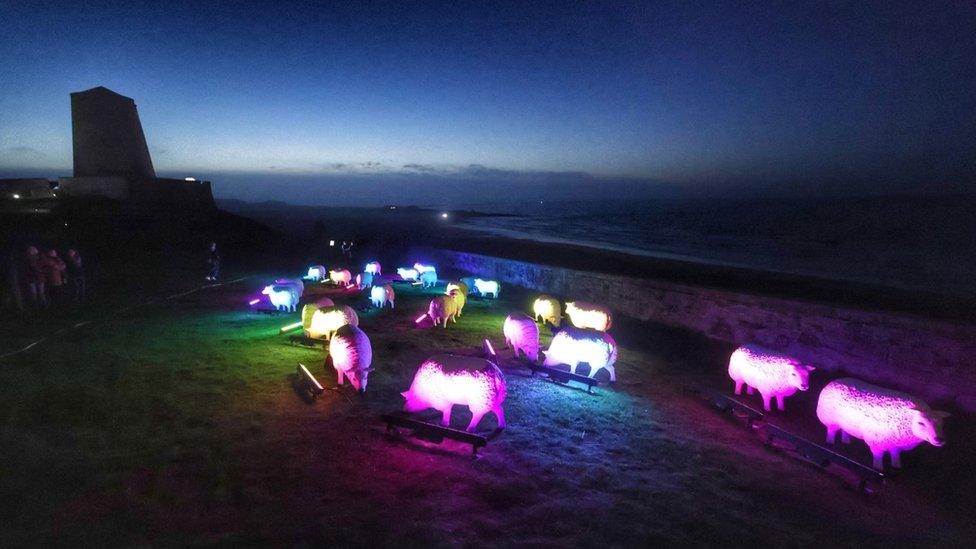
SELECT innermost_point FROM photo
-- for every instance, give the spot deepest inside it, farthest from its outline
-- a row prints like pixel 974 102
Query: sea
pixel 923 243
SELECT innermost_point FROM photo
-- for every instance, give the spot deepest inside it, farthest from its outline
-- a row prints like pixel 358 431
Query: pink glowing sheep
pixel 381 295
pixel 522 335
pixel 460 298
pixel 407 274
pixel 888 421
pixel 341 277
pixel 445 380
pixel 283 297
pixel 772 373
pixel 326 321
pixel 442 308
pixel 351 355
pixel 575 346
pixel 589 315
pixel 428 279
pixel 373 268
pixel 547 309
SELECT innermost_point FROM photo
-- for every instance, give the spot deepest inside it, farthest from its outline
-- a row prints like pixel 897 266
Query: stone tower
pixel 107 136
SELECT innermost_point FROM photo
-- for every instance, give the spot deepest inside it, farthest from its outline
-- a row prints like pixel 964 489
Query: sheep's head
pixel 799 376
pixel 358 378
pixel 267 290
pixel 927 425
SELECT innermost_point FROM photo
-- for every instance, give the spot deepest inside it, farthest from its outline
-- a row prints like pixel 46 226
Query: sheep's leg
pixel 895 458
pixel 613 373
pixel 446 416
pixel 766 402
pixel 845 438
pixel 500 415
pixel 781 402
pixel 831 434
pixel 738 387
pixel 339 381
pixel 475 420
pixel 749 389
pixel 878 461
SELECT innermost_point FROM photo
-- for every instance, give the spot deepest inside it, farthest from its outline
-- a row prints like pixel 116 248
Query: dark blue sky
pixel 420 101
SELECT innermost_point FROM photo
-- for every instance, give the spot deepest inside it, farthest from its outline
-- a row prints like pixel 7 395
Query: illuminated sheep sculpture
pixel 487 288
pixel 461 287
pixel 381 295
pixel 468 282
pixel 547 309
pixel 374 268
pixel 445 380
pixel 283 297
pixel 351 355
pixel 326 321
pixel 771 373
pixel 574 346
pixel 428 279
pixel 296 282
pixel 316 273
pixel 442 308
pixel 364 280
pixel 522 335
pixel 421 268
pixel 460 298
pixel 888 421
pixel 589 315
pixel 341 277
pixel 407 274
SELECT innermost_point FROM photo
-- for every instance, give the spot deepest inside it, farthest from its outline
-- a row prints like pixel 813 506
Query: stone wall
pixel 931 359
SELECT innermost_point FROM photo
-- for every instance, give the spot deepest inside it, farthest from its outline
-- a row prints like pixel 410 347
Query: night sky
pixel 364 103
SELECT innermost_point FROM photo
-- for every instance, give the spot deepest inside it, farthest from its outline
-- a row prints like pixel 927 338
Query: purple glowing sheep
pixel 351 355
pixel 522 335
pixel 445 380
pixel 772 373
pixel 442 308
pixel 575 346
pixel 888 421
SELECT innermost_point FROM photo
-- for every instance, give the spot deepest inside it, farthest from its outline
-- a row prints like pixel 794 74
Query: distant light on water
pixel 444 215
pixel 189 179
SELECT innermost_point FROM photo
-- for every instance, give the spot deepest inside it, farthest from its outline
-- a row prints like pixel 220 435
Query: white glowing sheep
pixel 486 288
pixel 575 346
pixel 407 274
pixel 442 308
pixel 284 298
pixel 428 279
pixel 772 373
pixel 421 268
pixel 547 309
pixel 522 335
pixel 316 273
pixel 373 268
pixel 888 421
pixel 341 277
pixel 351 355
pixel 445 380
pixel 459 286
pixel 589 315
pixel 460 298
pixel 326 321
pixel 381 295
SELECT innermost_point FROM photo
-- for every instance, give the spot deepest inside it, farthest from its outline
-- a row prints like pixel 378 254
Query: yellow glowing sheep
pixel 547 308
pixel 327 320
pixel 589 315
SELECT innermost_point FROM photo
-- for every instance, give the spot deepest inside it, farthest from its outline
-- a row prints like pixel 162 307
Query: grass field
pixel 177 423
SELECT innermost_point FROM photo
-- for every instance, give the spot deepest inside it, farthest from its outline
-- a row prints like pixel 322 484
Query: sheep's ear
pixel 370 369
pixel 810 368
pixel 938 414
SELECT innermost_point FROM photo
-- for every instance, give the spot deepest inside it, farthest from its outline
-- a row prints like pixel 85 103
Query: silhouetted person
pixel 53 268
pixel 214 261
pixel 35 277
pixel 76 275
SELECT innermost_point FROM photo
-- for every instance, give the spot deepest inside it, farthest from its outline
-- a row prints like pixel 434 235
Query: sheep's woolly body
pixel 574 346
pixel 316 273
pixel 428 279
pixel 547 308
pixel 883 418
pixel 283 297
pixel 373 268
pixel 381 295
pixel 589 315
pixel 763 369
pixel 487 287
pixel 445 380
pixel 408 274
pixel 442 308
pixel 522 335
pixel 460 298
pixel 341 276
pixel 326 321
pixel 350 350
pixel 364 280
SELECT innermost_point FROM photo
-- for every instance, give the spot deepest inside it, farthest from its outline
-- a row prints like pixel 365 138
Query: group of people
pixel 40 277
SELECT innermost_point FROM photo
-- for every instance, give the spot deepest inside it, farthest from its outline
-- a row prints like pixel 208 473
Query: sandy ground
pixel 178 423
